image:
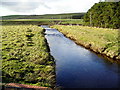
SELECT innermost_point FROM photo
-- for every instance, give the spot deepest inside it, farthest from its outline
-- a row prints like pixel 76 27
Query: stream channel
pixel 77 67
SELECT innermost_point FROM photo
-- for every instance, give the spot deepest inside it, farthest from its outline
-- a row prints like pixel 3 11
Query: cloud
pixel 23 5
pixel 9 3
pixel 45 6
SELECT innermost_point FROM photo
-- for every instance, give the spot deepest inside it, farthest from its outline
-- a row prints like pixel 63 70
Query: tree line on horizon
pixel 103 14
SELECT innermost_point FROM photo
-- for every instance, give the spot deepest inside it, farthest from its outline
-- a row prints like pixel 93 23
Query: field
pixel 25 56
pixel 49 19
pixel 43 21
pixel 103 41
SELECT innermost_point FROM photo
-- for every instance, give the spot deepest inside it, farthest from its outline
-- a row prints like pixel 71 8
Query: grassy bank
pixel 103 41
pixel 25 56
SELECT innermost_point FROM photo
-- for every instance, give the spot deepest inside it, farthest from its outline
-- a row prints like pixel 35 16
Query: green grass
pixel 25 56
pixel 100 40
pixel 45 21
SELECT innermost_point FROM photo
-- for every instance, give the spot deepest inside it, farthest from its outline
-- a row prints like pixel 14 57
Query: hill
pixel 46 16
pixel 103 14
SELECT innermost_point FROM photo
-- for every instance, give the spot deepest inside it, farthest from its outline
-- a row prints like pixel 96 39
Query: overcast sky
pixel 39 7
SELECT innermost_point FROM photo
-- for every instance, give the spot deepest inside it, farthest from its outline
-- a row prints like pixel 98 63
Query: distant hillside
pixel 104 14
pixel 47 16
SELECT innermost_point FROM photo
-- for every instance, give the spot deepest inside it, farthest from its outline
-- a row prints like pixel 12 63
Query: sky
pixel 40 7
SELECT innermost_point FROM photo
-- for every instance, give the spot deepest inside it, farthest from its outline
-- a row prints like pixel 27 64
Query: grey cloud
pixel 9 3
pixel 24 6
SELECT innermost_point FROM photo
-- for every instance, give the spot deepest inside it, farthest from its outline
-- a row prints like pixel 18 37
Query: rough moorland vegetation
pixel 25 56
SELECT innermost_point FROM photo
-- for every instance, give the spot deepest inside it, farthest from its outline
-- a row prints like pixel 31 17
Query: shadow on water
pixel 77 67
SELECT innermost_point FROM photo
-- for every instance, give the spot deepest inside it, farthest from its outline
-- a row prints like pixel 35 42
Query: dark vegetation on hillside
pixel 104 14
pixel 47 16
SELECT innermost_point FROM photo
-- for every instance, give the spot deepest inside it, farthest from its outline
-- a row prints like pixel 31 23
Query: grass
pixel 25 56
pixel 43 21
pixel 100 40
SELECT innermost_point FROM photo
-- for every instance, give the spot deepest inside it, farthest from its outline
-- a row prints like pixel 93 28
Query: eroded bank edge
pixel 95 49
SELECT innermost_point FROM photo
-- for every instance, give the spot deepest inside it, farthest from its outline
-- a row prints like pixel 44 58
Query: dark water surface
pixel 77 67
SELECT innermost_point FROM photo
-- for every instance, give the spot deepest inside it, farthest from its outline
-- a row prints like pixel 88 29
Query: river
pixel 77 67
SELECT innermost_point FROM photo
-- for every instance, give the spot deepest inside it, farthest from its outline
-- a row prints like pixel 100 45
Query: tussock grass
pixel 25 56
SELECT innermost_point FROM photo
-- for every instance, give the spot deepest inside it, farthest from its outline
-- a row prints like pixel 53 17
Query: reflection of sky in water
pixel 79 67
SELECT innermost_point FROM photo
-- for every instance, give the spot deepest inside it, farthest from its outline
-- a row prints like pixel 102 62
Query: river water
pixel 77 67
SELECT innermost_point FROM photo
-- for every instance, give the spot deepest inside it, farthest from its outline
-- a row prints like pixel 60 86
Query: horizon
pixel 45 14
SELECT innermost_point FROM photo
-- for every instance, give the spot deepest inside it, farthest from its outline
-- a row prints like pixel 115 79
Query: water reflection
pixel 77 67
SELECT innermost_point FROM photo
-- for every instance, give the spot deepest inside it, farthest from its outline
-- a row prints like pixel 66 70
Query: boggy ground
pixel 100 40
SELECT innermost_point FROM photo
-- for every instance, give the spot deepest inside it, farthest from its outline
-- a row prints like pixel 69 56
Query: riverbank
pixel 26 56
pixel 99 40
